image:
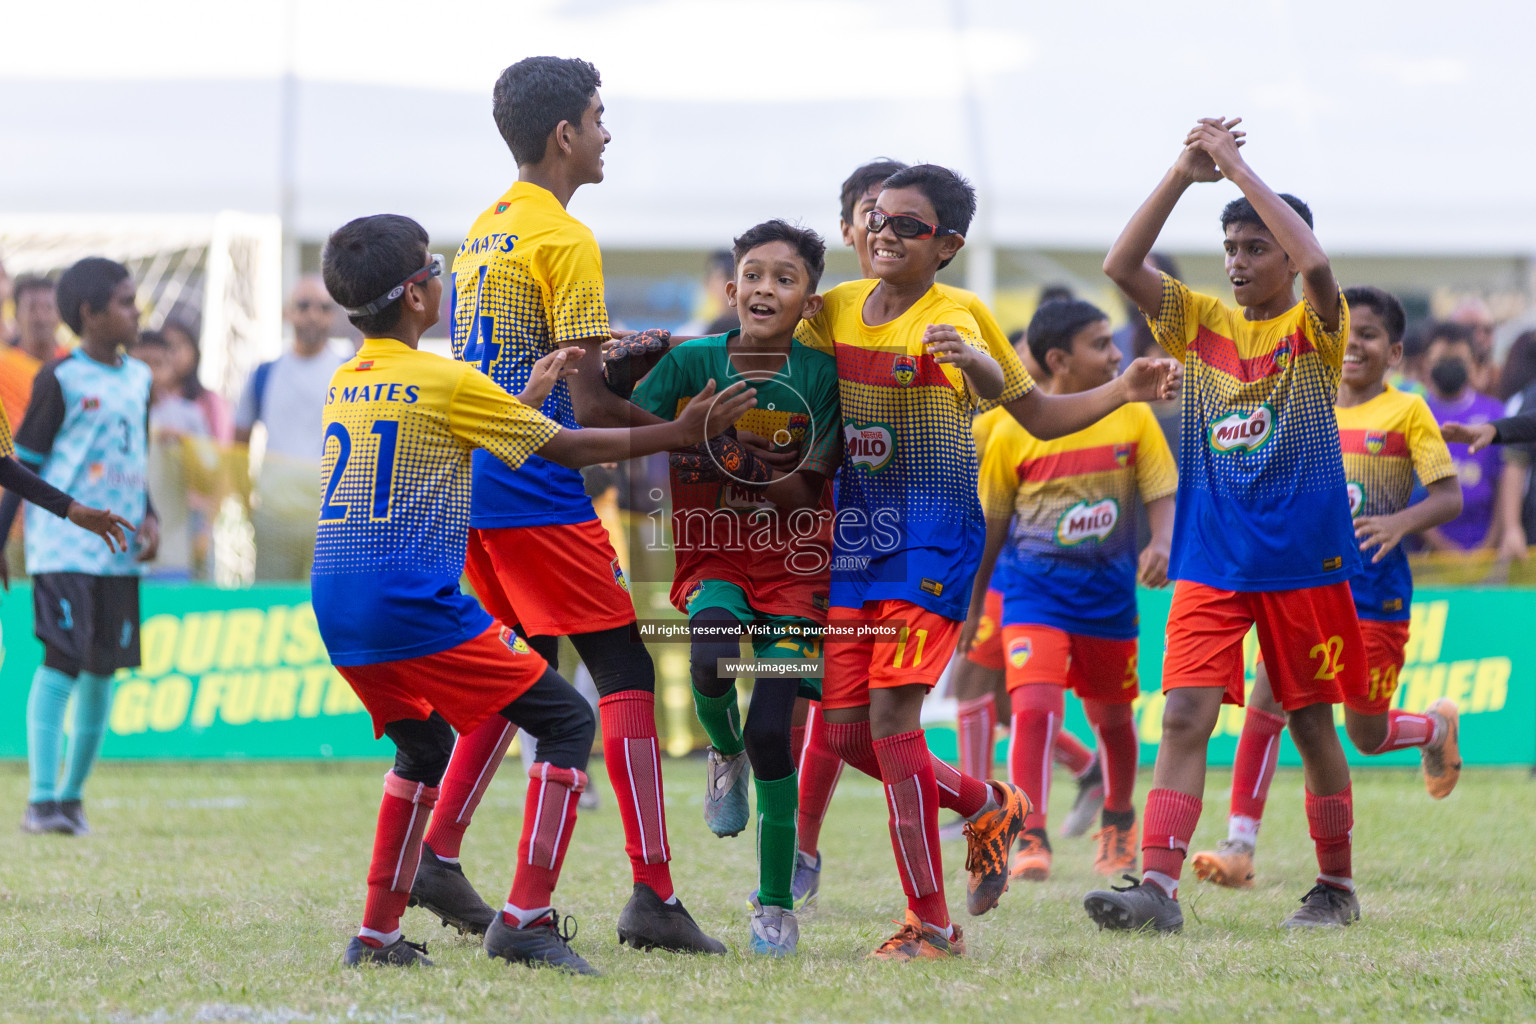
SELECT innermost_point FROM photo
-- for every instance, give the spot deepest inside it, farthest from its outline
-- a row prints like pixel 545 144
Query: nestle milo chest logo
pixel 1087 520
pixel 870 445
pixel 1243 431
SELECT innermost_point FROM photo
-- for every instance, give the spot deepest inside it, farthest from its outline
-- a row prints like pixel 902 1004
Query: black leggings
pixel 551 711
pixel 770 715
pixel 616 657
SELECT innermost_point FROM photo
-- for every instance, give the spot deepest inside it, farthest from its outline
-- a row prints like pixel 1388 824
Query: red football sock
pixel 1115 726
pixel 476 756
pixel 1071 753
pixel 1037 710
pixel 1405 730
pixel 549 817
pixel 1167 825
pixel 961 793
pixel 796 741
pixel 819 768
pixel 403 817
pixel 851 741
pixel 1331 819
pixel 1253 768
pixel 633 757
pixel 975 720
pixel 912 796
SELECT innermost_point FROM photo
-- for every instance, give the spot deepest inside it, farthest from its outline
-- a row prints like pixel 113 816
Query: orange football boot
pixel 1231 864
pixel 988 840
pixel 1442 762
pixel 917 941
pixel 1117 850
pixel 1033 860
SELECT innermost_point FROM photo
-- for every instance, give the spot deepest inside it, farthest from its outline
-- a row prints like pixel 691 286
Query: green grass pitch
pixel 226 893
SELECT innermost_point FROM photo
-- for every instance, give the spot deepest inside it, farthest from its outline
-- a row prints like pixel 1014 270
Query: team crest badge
pixel 694 591
pixel 1019 650
pixel 90 403
pixel 798 425
pixel 1282 357
pixel 366 364
pixel 514 643
pixel 618 576
pixel 905 370
pixel 1375 441
pixel 1122 455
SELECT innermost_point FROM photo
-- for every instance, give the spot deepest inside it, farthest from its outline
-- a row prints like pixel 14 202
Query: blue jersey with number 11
pixel 400 427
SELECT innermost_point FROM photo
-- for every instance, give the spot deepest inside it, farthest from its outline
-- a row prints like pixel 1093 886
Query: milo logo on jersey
pixel 1356 497
pixel 1087 521
pixel 1243 431
pixel 870 445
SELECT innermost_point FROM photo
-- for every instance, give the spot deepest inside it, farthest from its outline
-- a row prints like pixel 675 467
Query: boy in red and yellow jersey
pixel 1062 514
pixel 1262 535
pixel 1389 438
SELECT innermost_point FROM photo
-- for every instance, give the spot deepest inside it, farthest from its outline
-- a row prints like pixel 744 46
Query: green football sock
pixel 778 806
pixel 45 730
pixel 93 700
pixel 721 718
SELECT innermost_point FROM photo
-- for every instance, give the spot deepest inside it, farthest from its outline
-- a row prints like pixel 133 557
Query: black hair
pixel 953 198
pixel 191 387
pixel 806 243
pixel 722 261
pixel 534 95
pixel 1416 341
pixel 1386 307
pixel 1519 367
pixel 1055 324
pixel 1445 330
pixel 90 282
pixel 1241 211
pixel 365 258
pixel 860 181
pixel 151 339
pixel 1056 293
pixel 30 283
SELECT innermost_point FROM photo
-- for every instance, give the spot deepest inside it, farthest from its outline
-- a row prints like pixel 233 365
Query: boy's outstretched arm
pixel 1052 416
pixel 1126 264
pixel 1221 144
pixel 707 414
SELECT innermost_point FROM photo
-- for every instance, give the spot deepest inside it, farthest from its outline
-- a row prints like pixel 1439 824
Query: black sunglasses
pixel 432 269
pixel 903 225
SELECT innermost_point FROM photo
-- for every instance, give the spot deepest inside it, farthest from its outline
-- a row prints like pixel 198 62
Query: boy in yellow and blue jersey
pixel 400 428
pixel 1061 534
pixel 912 367
pixel 1262 535
pixel 1389 440
pixel 85 432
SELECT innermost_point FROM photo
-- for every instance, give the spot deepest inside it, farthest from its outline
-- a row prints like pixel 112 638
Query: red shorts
pixel 550 580
pixel 1095 668
pixel 916 652
pixel 465 684
pixel 1309 638
pixel 987 646
pixel 1385 646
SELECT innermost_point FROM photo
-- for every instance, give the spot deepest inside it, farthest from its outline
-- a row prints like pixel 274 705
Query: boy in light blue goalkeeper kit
pixel 85 432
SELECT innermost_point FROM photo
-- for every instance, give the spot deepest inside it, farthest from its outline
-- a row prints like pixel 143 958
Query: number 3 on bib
pixel 1327 654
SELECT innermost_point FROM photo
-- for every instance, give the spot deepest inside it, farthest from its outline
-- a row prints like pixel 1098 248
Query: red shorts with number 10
pixel 1309 637
pixel 1386 646
pixel 912 647
pixel 550 580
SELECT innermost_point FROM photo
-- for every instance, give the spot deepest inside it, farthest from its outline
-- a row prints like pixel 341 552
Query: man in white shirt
pixel 287 396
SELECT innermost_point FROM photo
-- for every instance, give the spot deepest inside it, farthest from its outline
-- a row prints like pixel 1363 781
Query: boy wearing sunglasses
pixel 753 546
pixel 400 429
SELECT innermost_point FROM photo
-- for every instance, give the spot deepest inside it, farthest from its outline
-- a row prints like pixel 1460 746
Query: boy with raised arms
pixel 1062 516
pixel 753 552
pixel 529 279
pixel 1389 440
pixel 911 368
pixel 85 432
pixel 1262 535
pixel 400 428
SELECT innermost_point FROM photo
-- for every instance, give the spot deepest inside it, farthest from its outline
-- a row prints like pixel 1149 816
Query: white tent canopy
pixel 1406 127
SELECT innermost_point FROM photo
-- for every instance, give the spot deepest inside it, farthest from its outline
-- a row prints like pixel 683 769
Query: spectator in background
pixel 186 355
pixel 1410 374
pixel 1473 314
pixel 716 315
pixel 173 420
pixel 1056 293
pixel 1516 515
pixel 287 396
pixel 1449 359
pixel 37 329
